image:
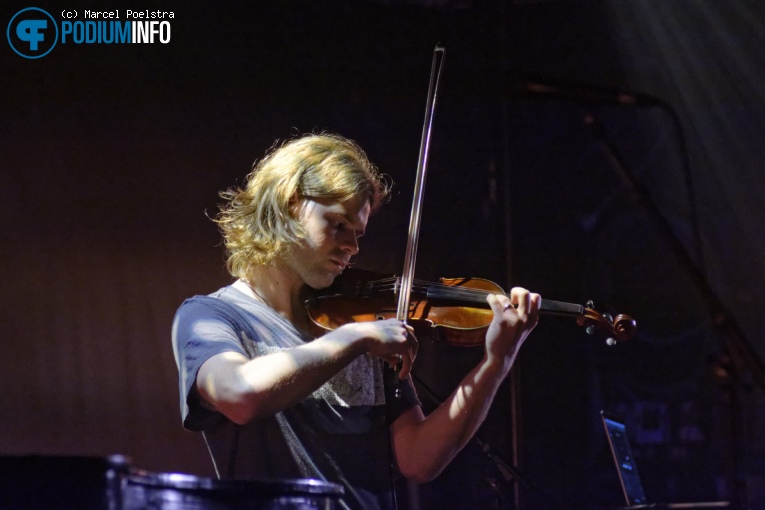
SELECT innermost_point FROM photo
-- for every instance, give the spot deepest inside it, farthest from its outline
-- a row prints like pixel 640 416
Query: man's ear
pixel 293 205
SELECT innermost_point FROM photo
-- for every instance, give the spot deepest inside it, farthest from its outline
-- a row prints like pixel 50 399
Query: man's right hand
pixel 390 340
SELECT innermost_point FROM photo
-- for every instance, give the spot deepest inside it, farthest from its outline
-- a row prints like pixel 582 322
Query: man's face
pixel 332 232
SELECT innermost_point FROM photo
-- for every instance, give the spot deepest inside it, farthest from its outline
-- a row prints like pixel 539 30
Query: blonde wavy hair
pixel 256 222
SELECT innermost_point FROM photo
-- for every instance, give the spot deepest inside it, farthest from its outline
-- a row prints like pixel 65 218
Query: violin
pixel 453 309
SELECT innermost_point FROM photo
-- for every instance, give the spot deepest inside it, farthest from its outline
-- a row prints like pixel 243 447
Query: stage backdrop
pixel 541 174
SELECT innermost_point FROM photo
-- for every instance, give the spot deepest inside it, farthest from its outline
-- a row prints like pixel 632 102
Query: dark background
pixel 112 155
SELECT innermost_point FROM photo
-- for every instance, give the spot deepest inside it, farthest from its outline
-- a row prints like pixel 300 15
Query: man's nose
pixel 350 243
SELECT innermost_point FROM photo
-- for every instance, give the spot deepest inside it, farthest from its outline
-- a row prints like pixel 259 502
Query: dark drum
pixel 175 491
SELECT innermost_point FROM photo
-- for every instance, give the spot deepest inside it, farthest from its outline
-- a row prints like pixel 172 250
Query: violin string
pixel 445 291
pixel 390 284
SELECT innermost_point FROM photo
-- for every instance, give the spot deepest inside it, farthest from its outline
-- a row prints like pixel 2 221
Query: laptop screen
pixel 632 487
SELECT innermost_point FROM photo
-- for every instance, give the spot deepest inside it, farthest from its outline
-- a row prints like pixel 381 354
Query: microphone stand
pixel 738 348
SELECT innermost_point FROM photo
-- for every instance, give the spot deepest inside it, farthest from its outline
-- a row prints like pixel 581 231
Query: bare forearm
pixel 244 389
pixel 249 389
pixel 437 439
pixel 424 446
pixel 466 408
pixel 282 379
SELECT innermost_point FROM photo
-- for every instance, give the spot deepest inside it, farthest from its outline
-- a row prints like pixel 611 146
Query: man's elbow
pixel 238 414
pixel 420 472
pixel 236 403
pixel 243 411
pixel 222 386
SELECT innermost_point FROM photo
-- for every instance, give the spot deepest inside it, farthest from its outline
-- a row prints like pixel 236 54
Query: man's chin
pixel 319 282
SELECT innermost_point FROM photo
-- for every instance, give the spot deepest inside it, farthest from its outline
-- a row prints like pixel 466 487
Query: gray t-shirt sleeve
pixel 202 328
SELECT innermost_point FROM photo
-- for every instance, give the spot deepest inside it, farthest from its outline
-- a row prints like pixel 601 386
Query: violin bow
pixel 407 278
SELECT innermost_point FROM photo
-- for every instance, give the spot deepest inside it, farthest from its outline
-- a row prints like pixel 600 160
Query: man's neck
pixel 279 289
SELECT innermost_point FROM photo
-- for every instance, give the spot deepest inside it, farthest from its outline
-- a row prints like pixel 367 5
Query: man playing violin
pixel 275 402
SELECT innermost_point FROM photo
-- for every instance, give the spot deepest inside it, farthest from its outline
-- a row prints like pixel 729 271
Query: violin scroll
pixel 619 329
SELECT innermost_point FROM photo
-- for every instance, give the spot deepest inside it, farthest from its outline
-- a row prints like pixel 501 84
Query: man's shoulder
pixel 225 296
pixel 230 305
pixel 223 301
